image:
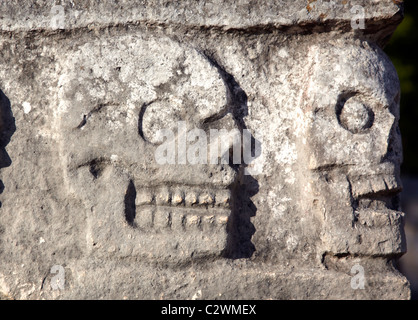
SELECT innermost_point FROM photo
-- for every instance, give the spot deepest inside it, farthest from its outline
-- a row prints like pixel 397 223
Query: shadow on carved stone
pixel 240 229
pixel 7 128
pixel 130 208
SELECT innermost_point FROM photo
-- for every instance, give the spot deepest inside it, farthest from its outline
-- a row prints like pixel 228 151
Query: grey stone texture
pixel 87 85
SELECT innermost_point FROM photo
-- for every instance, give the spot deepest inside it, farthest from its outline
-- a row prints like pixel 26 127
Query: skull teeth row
pixel 374 184
pixel 181 197
pixel 150 218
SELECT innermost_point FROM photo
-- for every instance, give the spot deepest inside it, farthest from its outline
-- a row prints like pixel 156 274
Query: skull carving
pixel 354 149
pixel 117 96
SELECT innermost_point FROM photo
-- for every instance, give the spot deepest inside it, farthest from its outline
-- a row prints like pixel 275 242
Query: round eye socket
pixel 157 116
pixel 355 116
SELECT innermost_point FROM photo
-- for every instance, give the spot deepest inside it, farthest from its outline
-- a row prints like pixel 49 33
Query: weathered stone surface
pixel 231 14
pixel 83 100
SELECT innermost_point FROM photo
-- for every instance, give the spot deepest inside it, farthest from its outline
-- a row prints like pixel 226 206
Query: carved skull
pixel 353 148
pixel 116 95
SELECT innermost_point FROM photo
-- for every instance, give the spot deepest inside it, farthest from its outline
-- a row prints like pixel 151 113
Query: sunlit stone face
pixel 116 97
pixel 354 149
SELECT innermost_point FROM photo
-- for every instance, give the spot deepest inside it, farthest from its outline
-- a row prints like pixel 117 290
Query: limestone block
pixel 235 149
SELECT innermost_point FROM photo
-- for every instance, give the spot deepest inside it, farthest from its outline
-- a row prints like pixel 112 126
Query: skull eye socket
pixel 354 115
pixel 157 117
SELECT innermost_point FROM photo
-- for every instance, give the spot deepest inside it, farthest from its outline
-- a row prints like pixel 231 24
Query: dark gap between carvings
pixel 130 208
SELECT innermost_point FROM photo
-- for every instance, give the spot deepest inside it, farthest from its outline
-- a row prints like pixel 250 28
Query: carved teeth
pixel 209 219
pixel 376 193
pixel 223 198
pixel 222 220
pixel 191 199
pixel 145 217
pixel 162 219
pixel 376 219
pixel 366 203
pixel 144 197
pixel 363 186
pixel 178 197
pixel 193 221
pixel 188 197
pixel 206 199
pixel 178 219
pixel 163 198
pixel 180 209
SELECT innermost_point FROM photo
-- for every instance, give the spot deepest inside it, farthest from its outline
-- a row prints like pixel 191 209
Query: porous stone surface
pixel 89 211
